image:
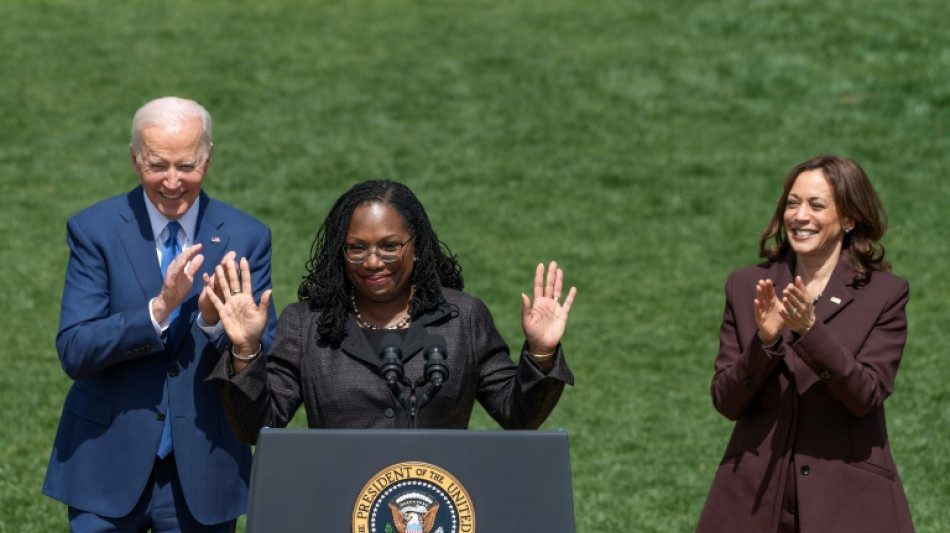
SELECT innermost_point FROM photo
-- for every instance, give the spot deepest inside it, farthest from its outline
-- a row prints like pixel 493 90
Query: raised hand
pixel 208 311
pixel 243 320
pixel 767 314
pixel 544 319
pixel 798 309
pixel 178 281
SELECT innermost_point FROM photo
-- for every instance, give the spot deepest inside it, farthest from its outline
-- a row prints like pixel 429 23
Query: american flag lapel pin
pixel 835 300
pixel 215 239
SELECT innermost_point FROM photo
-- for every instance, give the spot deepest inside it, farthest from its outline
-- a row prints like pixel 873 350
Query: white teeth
pixel 169 197
pixel 803 233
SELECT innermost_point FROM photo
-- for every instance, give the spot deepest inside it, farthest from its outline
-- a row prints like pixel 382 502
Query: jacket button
pixel 749 383
pixel 805 470
pixel 172 371
pixel 161 417
pixel 389 412
pixel 825 375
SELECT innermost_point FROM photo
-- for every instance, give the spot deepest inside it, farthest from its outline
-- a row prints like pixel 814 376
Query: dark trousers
pixel 161 509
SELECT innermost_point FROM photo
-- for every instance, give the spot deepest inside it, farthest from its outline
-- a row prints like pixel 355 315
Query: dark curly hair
pixel 855 199
pixel 326 286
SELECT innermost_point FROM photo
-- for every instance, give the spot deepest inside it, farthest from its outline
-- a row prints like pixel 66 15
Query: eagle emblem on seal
pixel 413 512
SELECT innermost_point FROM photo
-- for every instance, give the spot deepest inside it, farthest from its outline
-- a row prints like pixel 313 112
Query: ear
pixel 135 163
pixel 208 160
pixel 847 224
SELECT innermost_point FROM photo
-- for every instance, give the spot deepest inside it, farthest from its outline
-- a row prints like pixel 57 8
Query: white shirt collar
pixel 188 221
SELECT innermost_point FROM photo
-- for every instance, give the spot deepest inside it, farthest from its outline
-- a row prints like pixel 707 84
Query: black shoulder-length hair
pixel 855 200
pixel 326 286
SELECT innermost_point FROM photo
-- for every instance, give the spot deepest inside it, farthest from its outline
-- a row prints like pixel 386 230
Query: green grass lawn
pixel 641 144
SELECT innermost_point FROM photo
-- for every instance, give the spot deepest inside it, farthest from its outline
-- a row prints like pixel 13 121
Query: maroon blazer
pixel 813 407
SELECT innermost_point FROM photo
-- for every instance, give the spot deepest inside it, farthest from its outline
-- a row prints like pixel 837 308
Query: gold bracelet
pixel 541 357
pixel 247 357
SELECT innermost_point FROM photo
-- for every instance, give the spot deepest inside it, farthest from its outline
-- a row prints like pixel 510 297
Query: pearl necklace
pixel 403 322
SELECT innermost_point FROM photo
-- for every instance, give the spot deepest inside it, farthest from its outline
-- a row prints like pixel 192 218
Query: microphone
pixel 390 360
pixel 436 372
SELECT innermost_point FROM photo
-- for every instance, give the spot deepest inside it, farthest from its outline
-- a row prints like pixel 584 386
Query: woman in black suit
pixel 379 276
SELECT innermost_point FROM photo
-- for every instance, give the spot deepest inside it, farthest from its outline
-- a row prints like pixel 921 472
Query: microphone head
pixel 391 344
pixel 435 354
pixel 435 347
pixel 390 359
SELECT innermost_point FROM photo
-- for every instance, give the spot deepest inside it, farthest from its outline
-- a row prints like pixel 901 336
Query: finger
pixel 799 283
pixel 525 307
pixel 569 301
pixel 539 281
pixel 558 284
pixel 234 281
pixel 194 266
pixel 229 257
pixel 213 297
pixel 222 281
pixel 770 290
pixel 265 300
pixel 187 254
pixel 551 277
pixel 246 282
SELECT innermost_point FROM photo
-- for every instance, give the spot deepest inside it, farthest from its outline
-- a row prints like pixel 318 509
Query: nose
pixel 373 262
pixel 802 212
pixel 172 179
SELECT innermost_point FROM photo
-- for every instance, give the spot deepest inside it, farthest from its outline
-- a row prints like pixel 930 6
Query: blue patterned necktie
pixel 170 250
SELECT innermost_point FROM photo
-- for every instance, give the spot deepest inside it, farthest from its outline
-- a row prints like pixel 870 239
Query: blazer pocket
pixel 872 468
pixel 89 407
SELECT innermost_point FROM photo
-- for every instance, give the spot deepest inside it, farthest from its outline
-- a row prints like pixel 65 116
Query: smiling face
pixel 812 223
pixel 171 166
pixel 375 226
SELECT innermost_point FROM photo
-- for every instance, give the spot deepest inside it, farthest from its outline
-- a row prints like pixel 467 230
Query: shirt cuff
pixel 213 332
pixel 159 328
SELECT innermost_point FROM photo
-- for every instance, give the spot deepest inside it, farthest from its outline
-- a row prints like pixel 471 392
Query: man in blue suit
pixel 143 442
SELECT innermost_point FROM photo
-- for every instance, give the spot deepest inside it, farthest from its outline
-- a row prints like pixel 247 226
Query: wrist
pixel 245 354
pixel 541 355
pixel 769 344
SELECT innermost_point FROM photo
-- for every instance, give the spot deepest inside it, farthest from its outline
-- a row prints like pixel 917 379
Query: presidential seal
pixel 413 497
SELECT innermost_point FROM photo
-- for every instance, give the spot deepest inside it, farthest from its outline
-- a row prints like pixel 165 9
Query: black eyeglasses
pixel 387 252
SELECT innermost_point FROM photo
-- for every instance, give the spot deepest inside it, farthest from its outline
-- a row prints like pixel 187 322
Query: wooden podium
pixel 410 481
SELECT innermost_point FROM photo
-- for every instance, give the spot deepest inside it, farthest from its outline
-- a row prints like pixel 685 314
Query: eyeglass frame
pixel 375 251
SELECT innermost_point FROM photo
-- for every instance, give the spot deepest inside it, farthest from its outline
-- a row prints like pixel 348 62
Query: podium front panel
pixel 308 480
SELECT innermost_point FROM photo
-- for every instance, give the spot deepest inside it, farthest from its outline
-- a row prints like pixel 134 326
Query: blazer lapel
pixel 211 233
pixel 837 294
pixel 356 346
pixel 135 234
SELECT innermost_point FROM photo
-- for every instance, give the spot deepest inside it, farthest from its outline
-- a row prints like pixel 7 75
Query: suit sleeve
pixel 517 397
pixel 268 391
pixel 742 367
pixel 93 334
pixel 862 380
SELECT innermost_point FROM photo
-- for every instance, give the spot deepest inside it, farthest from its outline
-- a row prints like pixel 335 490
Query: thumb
pixel 265 300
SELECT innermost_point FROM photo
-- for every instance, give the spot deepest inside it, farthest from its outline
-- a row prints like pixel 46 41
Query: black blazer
pixel 341 388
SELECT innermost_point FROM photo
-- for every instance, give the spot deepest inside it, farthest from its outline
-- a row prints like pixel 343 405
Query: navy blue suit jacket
pixel 125 375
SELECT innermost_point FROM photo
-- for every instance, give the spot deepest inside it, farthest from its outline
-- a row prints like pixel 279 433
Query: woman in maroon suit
pixel 808 351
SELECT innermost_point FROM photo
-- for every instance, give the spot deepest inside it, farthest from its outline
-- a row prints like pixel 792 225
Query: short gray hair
pixel 170 111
